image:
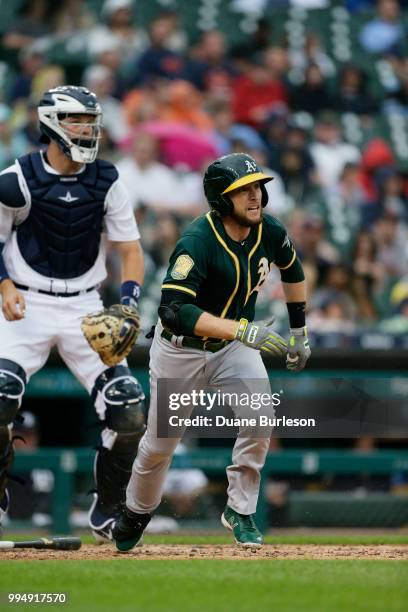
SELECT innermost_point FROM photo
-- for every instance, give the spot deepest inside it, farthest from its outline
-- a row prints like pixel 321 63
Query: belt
pixel 194 343
pixel 55 294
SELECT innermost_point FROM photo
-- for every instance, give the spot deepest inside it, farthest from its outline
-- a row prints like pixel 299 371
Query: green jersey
pixel 223 276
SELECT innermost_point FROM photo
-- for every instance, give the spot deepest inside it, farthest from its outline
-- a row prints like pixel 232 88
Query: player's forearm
pixel 214 327
pixel 132 264
pixel 295 292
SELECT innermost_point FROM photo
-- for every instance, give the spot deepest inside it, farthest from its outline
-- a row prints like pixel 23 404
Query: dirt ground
pixel 213 551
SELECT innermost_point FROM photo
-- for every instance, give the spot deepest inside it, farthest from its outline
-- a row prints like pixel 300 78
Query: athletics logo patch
pixel 182 267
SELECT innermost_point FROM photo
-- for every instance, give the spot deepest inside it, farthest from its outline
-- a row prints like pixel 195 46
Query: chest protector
pixel 61 236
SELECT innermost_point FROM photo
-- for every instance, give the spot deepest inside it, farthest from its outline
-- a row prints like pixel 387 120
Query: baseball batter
pixel 205 331
pixel 58 209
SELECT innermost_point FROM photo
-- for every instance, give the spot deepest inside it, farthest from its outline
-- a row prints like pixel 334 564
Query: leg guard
pixel 125 424
pixel 12 386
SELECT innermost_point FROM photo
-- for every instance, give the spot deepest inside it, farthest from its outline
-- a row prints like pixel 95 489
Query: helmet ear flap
pixel 265 196
pixel 226 205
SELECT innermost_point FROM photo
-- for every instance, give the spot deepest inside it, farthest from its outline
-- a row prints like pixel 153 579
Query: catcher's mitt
pixel 112 332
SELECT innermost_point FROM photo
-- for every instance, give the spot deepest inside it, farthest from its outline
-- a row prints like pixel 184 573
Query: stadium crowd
pixel 330 128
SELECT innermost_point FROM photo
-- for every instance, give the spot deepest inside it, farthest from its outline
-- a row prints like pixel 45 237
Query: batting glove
pixel 298 350
pixel 259 335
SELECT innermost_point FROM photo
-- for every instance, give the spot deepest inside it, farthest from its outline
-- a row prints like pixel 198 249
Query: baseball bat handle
pixel 54 543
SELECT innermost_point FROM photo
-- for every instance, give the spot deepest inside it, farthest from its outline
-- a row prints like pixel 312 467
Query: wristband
pixel 298 331
pixel 242 325
pixel 130 293
pixel 296 311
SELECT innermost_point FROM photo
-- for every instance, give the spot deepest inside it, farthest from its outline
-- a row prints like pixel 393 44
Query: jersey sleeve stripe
pixel 235 260
pixel 179 288
pixel 289 264
pixel 252 251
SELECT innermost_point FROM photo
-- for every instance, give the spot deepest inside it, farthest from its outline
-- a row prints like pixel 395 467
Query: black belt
pixel 196 343
pixel 55 294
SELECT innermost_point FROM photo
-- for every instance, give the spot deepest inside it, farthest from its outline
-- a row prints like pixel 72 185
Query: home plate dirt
pixel 211 551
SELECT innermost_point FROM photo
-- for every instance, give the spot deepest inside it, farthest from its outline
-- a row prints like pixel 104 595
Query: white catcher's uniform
pixel 51 320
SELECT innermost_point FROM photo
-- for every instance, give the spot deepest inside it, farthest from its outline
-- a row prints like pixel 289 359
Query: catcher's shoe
pixel 243 527
pixel 100 523
pixel 128 530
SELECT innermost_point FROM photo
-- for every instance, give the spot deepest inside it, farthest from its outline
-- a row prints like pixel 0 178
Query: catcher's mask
pixel 228 173
pixel 55 105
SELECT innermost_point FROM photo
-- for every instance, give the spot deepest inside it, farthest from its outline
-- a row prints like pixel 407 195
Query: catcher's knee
pixel 123 400
pixel 12 387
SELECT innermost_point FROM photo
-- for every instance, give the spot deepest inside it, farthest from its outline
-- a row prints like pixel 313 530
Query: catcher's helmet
pixel 228 173
pixel 55 105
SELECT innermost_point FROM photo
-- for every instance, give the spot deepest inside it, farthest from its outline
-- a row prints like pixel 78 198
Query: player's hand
pixel 298 349
pixel 260 335
pixel 13 303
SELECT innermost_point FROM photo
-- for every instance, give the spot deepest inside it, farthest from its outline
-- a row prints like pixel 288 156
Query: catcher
pixel 58 209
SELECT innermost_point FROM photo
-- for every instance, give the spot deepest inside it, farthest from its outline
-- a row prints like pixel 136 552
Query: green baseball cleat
pixel 243 527
pixel 128 529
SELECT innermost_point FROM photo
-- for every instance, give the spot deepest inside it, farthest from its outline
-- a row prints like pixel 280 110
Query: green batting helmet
pixel 228 173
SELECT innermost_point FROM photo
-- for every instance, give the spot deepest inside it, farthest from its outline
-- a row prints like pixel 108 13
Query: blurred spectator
pixel 209 68
pixel 337 282
pixel 296 166
pixel 311 96
pixel 100 80
pixel 398 323
pixel 385 31
pixel 340 206
pixel 254 44
pixel 185 104
pixel 47 77
pixel 391 239
pixel 351 94
pixel 72 18
pixel 166 235
pixel 160 59
pixel 12 143
pixel 391 198
pixel 294 170
pixel 396 99
pixel 34 21
pixel 368 274
pixel 29 127
pixel 144 103
pixel 117 31
pixel 354 6
pixel 310 4
pixel 30 499
pixel 256 93
pixel 275 131
pixel 311 53
pixel 329 152
pixel 177 102
pixel 333 316
pixel 377 154
pixel 226 131
pixel 31 60
pixel 149 183
pixel 307 232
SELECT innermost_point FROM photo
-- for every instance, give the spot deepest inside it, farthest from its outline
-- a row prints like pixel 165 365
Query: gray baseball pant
pixel 220 369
